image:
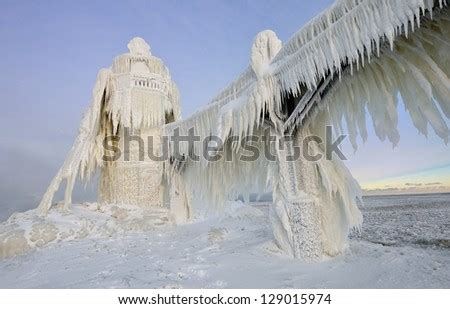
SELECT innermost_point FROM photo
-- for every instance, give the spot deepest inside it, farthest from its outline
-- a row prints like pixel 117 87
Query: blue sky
pixel 50 53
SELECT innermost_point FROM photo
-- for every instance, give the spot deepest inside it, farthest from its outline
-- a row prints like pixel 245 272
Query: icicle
pixel 81 157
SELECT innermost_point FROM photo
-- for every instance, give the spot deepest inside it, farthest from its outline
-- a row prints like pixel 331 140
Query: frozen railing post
pixel 296 215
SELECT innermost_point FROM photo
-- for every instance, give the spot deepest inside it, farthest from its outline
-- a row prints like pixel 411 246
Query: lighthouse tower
pixel 131 102
pixel 143 99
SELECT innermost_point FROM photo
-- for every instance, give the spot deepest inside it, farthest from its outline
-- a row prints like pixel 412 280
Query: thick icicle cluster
pixel 135 107
pixel 349 34
pixel 228 114
pixel 417 70
pixel 86 153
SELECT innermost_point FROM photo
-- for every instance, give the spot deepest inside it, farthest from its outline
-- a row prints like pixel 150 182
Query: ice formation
pixel 136 96
pixel 358 56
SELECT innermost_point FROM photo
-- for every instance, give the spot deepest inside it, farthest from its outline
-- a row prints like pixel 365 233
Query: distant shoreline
pixel 406 194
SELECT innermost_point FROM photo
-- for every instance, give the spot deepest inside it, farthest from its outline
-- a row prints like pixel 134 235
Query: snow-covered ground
pixel 404 243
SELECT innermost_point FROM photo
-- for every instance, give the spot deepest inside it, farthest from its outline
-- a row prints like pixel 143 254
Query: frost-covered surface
pixel 416 220
pixel 237 251
pixel 26 231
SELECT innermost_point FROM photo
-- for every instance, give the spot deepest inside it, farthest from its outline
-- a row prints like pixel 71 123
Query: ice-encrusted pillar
pixel 295 214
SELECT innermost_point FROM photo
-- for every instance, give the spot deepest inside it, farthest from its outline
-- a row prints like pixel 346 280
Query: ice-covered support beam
pixel 295 214
pixel 315 196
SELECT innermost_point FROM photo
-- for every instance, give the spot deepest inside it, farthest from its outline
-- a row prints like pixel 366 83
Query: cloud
pixel 433 183
pixel 413 184
pixel 438 188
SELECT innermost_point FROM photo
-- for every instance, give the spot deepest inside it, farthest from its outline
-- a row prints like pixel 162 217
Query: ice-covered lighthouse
pixel 134 98
pixel 144 99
